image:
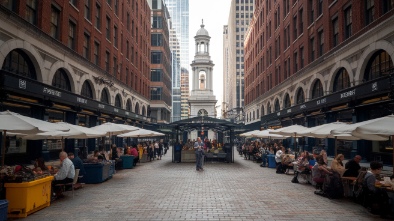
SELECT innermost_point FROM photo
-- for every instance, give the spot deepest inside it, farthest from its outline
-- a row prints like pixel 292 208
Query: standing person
pixel 160 150
pixel 156 150
pixel 200 159
pixel 353 167
pixel 198 145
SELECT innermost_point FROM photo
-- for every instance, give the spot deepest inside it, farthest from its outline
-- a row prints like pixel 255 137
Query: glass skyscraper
pixel 179 12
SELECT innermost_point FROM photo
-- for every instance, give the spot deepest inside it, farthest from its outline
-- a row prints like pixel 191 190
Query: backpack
pixel 333 187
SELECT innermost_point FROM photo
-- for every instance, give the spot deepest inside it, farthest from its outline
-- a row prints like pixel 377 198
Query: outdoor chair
pixel 72 185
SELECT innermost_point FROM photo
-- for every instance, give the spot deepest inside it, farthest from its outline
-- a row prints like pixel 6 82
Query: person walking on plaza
pixel 198 145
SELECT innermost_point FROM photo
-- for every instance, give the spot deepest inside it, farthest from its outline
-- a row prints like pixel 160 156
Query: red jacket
pixel 134 152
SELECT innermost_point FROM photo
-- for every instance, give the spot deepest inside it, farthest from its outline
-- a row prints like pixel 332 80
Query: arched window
pixel 287 101
pixel 128 105
pixel 269 108
pixel 137 108
pixel 342 80
pixel 202 112
pixel 253 116
pixel 258 113
pixel 87 90
pixel 19 63
pixel 202 80
pixel 104 96
pixel 143 111
pixel 317 90
pixel 300 96
pixel 118 101
pixel 60 80
pixel 277 106
pixel 379 65
pixel 262 110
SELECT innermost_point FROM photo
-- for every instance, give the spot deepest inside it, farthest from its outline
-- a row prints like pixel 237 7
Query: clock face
pixel 202 112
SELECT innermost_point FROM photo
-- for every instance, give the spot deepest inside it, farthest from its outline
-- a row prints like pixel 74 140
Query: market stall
pixel 98 172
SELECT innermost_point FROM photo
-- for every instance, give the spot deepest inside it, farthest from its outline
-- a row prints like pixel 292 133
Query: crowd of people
pixel 314 169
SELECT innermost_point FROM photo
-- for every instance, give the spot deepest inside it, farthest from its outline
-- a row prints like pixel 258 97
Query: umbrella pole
pixel 63 143
pixel 3 150
pixel 335 147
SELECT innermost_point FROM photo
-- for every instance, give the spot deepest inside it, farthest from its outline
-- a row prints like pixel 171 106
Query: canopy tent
pixel 13 122
pixel 142 133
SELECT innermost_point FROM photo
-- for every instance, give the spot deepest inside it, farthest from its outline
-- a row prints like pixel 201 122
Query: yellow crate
pixel 28 197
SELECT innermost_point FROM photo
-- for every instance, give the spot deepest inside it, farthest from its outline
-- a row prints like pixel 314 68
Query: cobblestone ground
pixel 162 190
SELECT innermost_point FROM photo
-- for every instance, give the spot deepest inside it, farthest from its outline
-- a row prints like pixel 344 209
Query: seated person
pixel 78 164
pixel 319 171
pixel 376 198
pixel 302 166
pixel 134 152
pixel 353 167
pixel 337 165
pixel 39 166
pixel 65 174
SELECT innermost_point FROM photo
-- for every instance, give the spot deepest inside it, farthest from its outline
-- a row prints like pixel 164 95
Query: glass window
pixel 87 10
pixel 277 106
pixel 98 17
pixel 71 34
pixel 87 90
pixel 86 46
pixel 321 43
pixel 118 101
pixel 287 101
pixel 18 62
pixel 155 93
pixel 342 80
pixel 115 37
pixel 387 5
pixel 107 61
pixel 369 11
pixel 31 11
pixel 317 90
pixel 96 53
pixel 128 105
pixel 107 28
pixel 335 31
pixel 156 75
pixel 379 65
pixel 55 13
pixel 269 108
pixel 312 49
pixel 157 39
pixel 300 96
pixel 60 80
pixel 104 96
pixel 156 57
pixel 348 22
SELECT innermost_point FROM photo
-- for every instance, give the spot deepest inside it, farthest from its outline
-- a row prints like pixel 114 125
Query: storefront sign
pixel 52 92
pixel 321 101
pixel 82 100
pixel 348 93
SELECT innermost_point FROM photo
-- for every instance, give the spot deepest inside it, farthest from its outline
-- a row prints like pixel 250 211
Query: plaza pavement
pixel 162 190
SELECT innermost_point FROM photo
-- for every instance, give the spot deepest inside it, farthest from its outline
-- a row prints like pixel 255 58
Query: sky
pixel 215 14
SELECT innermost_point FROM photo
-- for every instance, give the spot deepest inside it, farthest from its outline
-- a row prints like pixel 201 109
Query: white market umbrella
pixel 267 134
pixel 13 122
pixel 290 131
pixel 75 131
pixel 114 129
pixel 249 134
pixel 371 129
pixel 142 133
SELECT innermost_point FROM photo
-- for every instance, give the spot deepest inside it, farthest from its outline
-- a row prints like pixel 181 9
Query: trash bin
pixel 271 161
